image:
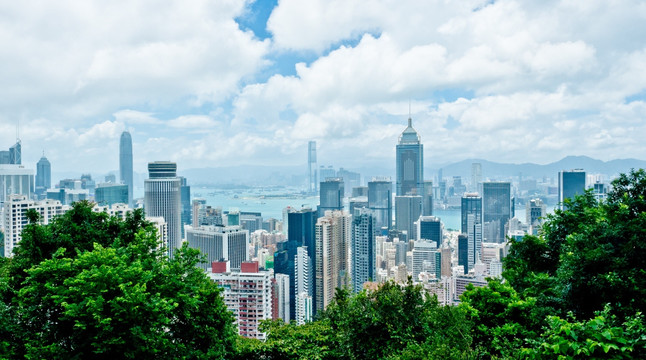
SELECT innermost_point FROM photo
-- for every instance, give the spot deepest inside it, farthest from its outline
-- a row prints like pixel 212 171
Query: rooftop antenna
pixel 410 120
pixel 18 130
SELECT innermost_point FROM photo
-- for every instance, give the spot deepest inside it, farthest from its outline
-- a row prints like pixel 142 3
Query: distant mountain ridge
pixel 492 169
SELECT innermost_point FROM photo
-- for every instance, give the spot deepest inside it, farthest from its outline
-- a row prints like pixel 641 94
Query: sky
pixel 233 82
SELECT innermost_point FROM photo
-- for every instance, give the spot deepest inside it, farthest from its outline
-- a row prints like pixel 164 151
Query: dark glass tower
pixel 380 201
pixel 571 183
pixel 125 163
pixel 410 162
pixel 43 177
pixel 299 233
pixel 496 208
pixel 471 204
pixel 331 197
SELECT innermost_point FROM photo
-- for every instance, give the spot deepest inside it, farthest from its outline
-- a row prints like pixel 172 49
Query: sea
pixel 271 201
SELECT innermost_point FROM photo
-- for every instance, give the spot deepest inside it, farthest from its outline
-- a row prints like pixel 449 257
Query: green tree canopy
pixel 93 286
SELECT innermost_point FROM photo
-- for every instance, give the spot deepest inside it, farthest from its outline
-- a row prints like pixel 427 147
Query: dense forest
pixel 91 286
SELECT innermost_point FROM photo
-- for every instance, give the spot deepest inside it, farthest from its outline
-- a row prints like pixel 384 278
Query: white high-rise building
pixel 333 237
pixel 219 243
pixel 15 179
pixel 162 197
pixel 247 293
pixel 303 308
pixel 282 282
pixel 15 217
pixel 424 254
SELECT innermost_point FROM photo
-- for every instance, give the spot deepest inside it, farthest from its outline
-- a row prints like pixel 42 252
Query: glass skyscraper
pixel 410 162
pixel 496 209
pixel 571 183
pixel 43 177
pixel 162 197
pixel 331 197
pixel 125 163
pixel 300 233
pixel 380 201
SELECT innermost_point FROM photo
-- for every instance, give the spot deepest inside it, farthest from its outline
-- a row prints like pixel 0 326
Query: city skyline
pixel 216 84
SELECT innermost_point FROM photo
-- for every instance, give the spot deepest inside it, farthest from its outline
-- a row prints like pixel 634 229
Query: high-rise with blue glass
pixel 410 162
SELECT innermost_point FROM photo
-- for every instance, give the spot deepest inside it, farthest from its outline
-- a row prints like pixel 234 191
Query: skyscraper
pixel 476 176
pixel 299 234
pixel 571 183
pixel 15 153
pixel 185 195
pixel 331 197
pixel 407 210
pixel 496 209
pixel 364 255
pixel 427 199
pixel 311 163
pixel 43 177
pixel 380 201
pixel 471 204
pixel 125 163
pixel 410 162
pixel 430 228
pixel 333 237
pixel 162 198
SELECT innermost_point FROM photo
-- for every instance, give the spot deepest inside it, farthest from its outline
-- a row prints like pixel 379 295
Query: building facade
pixel 410 162
pixel 162 197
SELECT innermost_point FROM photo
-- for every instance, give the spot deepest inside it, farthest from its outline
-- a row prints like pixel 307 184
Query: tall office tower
pixel 331 197
pixel 219 242
pixel 471 204
pixel 15 153
pixel 429 228
pixel 311 163
pixel 427 199
pixel 463 252
pixel 424 254
pixel 571 183
pixel 162 197
pixel 43 177
pixel 15 179
pixel 364 254
pixel 125 163
pixel 333 237
pixel 247 293
pixel 380 201
pixel 407 210
pixel 474 234
pixel 300 233
pixel 14 217
pixel 476 176
pixel 496 207
pixel 535 212
pixel 303 271
pixel 282 292
pixel 185 198
pixel 410 162
pixel 109 194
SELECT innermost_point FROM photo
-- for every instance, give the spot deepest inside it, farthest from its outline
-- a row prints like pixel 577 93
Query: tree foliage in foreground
pixel 93 286
pixel 393 322
pixel 585 271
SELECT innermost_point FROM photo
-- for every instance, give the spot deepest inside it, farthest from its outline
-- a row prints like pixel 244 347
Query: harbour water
pixel 271 202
